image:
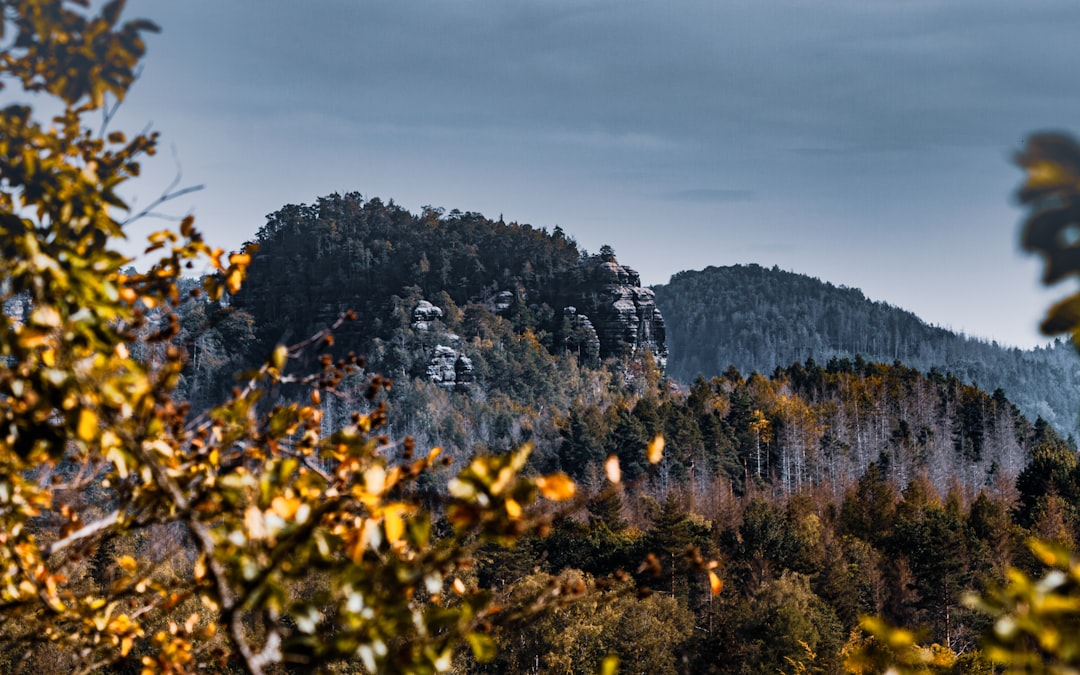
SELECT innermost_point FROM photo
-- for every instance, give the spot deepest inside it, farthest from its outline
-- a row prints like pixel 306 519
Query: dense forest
pixel 379 260
pixel 828 489
pixel 757 319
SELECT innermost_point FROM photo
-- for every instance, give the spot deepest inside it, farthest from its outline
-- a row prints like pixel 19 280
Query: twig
pixel 168 194
pixel 84 532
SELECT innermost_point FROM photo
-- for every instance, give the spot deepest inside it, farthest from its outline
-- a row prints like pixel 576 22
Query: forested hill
pixel 758 319
pixel 396 269
pixel 499 333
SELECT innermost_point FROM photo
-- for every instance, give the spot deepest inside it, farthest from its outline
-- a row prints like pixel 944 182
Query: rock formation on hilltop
pixel 623 313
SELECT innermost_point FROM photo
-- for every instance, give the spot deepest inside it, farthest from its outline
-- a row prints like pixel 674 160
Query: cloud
pixel 712 196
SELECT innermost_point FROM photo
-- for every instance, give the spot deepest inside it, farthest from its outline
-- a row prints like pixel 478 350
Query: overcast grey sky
pixel 865 142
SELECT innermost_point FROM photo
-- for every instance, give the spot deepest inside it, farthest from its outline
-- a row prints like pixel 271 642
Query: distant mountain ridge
pixel 759 319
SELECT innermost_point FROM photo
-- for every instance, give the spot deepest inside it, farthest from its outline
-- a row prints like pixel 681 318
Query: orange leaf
pixel 716 584
pixel 655 451
pixel 513 509
pixel 557 486
pixel 215 259
pixel 234 279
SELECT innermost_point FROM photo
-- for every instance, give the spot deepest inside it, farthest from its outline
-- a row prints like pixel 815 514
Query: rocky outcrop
pixel 424 314
pixel 446 366
pixel 580 337
pixel 450 369
pixel 504 300
pixel 624 314
pixel 605 313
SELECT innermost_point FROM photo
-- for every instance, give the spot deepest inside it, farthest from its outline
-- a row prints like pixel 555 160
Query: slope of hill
pixel 498 333
pixel 490 330
pixel 758 319
pixel 345 252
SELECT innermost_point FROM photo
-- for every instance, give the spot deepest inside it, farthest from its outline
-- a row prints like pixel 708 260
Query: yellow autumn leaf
pixel 88 425
pixel 355 545
pixel 503 479
pixel 215 259
pixel 394 522
pixel 279 356
pixel 393 475
pixel 1048 553
pixel 161 447
pixel 234 279
pixel 609 666
pixel 612 469
pixel 285 507
pixel 45 316
pixel 32 339
pixel 126 563
pixel 369 535
pixel 1043 174
pixel 375 480
pixel 655 451
pixel 556 487
pixel 513 509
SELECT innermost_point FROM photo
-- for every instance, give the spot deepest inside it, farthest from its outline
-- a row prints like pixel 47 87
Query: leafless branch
pixel 85 532
pixel 171 192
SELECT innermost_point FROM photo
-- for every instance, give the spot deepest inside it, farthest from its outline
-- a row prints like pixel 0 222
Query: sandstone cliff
pixel 624 314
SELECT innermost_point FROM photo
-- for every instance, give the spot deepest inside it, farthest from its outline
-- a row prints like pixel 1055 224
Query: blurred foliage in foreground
pixel 273 542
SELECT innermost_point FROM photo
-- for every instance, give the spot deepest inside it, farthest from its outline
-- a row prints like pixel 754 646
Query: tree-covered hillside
pixel 758 319
pixel 489 329
pixel 345 252
pixel 469 317
pixel 823 489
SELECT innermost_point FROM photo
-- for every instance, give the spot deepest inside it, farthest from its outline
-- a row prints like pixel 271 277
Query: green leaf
pixel 483 647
